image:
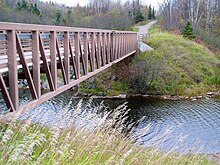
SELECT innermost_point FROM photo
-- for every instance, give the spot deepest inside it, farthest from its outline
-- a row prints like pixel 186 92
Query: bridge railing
pixel 78 53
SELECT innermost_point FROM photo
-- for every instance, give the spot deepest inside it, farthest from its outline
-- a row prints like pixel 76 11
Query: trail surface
pixel 143 30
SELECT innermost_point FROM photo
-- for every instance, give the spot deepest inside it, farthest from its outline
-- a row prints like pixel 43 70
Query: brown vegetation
pixel 203 14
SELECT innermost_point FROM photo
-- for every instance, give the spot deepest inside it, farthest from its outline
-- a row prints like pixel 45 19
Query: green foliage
pixel 30 7
pixel 106 85
pixel 212 39
pixel 187 31
pixel 107 15
pixel 176 66
pixel 93 90
pixel 35 10
pixel 153 13
pixel 150 12
pixel 135 29
pixel 186 66
pixel 138 16
pixel 58 17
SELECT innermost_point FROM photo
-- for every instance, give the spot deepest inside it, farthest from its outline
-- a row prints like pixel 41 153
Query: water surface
pixel 185 126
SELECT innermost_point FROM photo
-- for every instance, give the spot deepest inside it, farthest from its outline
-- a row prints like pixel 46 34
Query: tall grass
pixel 74 142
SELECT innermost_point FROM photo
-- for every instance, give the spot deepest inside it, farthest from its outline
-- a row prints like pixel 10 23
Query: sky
pixel 84 2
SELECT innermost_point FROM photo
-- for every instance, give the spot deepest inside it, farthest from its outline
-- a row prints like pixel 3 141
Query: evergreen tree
pixel 149 12
pixel 138 16
pixel 24 4
pixel 58 17
pixel 187 31
pixel 153 14
pixel 19 6
pixel 36 10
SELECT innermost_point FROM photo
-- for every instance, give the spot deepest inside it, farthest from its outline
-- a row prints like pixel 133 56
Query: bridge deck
pixel 78 53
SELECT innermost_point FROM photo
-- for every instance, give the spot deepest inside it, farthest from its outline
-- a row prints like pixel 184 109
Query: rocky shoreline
pixel 101 95
pixel 164 97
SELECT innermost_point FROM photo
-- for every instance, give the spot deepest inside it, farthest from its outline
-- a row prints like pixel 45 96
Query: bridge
pixel 27 51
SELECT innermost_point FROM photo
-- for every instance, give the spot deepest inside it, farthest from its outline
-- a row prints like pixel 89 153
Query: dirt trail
pixel 143 30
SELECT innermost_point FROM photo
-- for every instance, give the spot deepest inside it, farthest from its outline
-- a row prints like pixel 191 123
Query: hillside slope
pixel 176 66
pixel 182 66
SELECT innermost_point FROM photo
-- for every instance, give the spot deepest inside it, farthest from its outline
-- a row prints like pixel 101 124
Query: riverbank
pixel 177 67
pixel 164 97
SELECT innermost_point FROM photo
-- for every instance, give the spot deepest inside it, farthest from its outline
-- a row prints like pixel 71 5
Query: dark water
pixel 185 126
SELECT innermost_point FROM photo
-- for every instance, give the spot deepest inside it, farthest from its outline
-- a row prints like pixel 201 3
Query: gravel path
pixel 143 30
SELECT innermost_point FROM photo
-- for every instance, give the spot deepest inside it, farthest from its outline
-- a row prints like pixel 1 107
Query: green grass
pixel 28 143
pixel 104 83
pixel 188 68
pixel 176 66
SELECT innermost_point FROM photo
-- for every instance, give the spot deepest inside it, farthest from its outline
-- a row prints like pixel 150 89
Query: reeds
pixel 76 140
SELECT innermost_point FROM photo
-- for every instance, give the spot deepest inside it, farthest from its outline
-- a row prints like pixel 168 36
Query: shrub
pixel 187 31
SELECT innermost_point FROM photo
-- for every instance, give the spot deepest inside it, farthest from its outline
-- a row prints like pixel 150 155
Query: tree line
pixel 106 14
pixel 203 15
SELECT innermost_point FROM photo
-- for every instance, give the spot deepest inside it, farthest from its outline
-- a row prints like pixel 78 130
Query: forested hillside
pixel 203 14
pixel 96 14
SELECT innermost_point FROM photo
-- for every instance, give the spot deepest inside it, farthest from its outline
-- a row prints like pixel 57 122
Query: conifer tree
pixel 153 13
pixel 58 17
pixel 187 31
pixel 149 12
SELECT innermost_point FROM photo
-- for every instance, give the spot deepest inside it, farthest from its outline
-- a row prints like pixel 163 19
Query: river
pixel 183 125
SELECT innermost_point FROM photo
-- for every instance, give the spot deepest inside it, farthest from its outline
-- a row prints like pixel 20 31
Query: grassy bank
pixel 176 66
pixel 186 68
pixel 28 143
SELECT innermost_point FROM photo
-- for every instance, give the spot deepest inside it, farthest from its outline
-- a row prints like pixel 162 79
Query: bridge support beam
pixel 12 68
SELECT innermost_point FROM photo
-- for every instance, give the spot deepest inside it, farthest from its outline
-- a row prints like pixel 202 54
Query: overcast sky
pixel 84 2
